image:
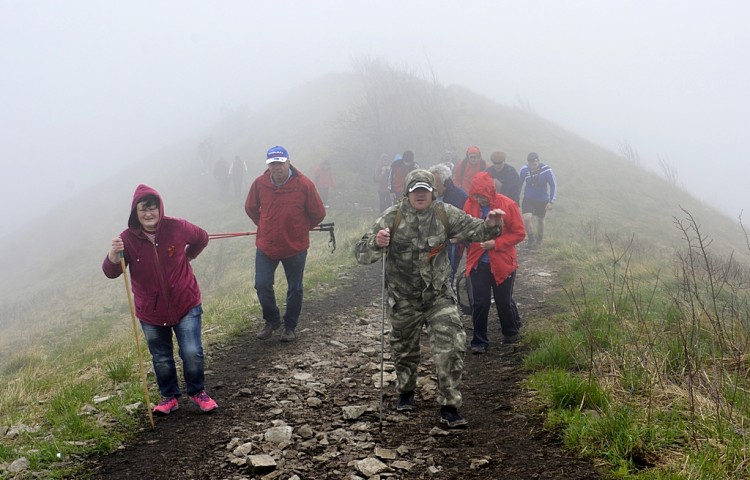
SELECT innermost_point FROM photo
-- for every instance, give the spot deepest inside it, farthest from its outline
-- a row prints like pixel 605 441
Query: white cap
pixel 276 159
pixel 417 185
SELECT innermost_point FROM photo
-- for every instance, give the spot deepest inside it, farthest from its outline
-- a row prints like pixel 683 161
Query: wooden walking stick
pixel 137 344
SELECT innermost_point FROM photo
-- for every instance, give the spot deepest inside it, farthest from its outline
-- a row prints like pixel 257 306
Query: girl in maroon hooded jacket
pixel 158 250
pixel 492 265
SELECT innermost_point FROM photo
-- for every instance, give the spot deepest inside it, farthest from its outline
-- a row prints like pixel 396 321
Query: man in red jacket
pixel 492 265
pixel 158 250
pixel 285 205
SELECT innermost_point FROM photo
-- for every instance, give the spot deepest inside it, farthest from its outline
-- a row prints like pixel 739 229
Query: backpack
pixel 439 211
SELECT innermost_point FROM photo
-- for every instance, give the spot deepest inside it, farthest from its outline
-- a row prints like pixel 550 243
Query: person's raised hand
pixel 495 217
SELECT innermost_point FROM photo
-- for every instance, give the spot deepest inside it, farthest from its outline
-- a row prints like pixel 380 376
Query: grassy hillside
pixel 59 314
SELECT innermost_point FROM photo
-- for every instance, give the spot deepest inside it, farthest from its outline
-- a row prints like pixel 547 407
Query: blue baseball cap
pixel 276 154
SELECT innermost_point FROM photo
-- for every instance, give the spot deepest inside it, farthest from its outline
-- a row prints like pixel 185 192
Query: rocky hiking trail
pixel 310 409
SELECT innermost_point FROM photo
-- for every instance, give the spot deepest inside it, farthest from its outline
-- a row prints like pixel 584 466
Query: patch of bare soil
pixel 326 387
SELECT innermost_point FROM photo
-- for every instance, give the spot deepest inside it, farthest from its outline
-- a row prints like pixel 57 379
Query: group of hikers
pixel 535 180
pixel 423 231
pixel 421 237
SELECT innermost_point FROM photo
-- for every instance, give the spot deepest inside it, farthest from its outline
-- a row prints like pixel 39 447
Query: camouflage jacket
pixel 417 268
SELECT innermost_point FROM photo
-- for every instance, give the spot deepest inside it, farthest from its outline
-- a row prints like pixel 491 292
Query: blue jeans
pixel 483 286
pixel 188 333
pixel 294 269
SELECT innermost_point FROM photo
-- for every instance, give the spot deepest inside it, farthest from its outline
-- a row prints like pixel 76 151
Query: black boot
pixel 450 417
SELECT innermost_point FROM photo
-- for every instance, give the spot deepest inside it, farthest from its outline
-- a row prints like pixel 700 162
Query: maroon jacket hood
pixel 140 192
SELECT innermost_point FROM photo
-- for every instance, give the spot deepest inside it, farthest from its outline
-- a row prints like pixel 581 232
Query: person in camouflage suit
pixel 417 230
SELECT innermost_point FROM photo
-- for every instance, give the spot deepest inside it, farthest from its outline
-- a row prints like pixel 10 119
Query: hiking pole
pixel 323 227
pixel 327 227
pixel 382 340
pixel 137 344
pixel 216 236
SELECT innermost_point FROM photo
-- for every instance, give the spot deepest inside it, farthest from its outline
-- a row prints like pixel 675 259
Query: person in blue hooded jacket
pixel 539 189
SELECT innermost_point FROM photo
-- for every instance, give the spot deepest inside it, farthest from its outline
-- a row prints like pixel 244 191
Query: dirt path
pixel 311 386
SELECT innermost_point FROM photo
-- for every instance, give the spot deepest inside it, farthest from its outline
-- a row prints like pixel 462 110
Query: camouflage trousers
pixel 447 343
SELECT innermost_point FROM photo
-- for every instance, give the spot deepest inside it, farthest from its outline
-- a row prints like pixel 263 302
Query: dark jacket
pixel 454 195
pixel 164 286
pixel 508 178
pixel 284 215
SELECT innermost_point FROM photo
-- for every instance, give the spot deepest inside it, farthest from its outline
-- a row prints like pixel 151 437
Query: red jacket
pixel 284 215
pixel 164 286
pixel 323 177
pixel 503 259
pixel 464 173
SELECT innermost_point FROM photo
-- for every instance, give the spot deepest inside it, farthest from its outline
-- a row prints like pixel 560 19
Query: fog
pixel 89 87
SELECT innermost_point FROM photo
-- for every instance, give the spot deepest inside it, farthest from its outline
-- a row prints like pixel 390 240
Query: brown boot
pixel 288 335
pixel 268 331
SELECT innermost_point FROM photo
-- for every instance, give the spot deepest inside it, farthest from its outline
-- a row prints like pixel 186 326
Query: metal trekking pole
pixel 137 344
pixel 382 339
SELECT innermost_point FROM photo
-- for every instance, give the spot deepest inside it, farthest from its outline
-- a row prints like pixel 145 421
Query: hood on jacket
pixel 140 192
pixel 473 150
pixel 483 184
pixel 419 175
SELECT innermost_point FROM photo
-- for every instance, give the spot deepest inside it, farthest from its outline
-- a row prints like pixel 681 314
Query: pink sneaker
pixel 167 406
pixel 205 402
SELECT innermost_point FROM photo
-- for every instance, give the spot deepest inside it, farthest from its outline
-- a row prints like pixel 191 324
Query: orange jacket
pixel 323 177
pixel 503 259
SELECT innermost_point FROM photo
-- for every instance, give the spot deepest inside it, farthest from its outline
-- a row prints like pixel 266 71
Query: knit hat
pixel 532 156
pixel 276 154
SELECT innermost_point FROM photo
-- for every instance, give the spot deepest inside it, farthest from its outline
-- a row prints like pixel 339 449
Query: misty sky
pixel 87 87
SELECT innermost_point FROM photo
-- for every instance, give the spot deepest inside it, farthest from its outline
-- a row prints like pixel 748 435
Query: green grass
pixel 641 363
pixel 119 370
pixel 48 386
pixel 641 375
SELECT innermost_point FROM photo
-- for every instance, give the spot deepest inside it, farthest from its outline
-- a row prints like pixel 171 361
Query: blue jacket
pixel 539 185
pixel 454 195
